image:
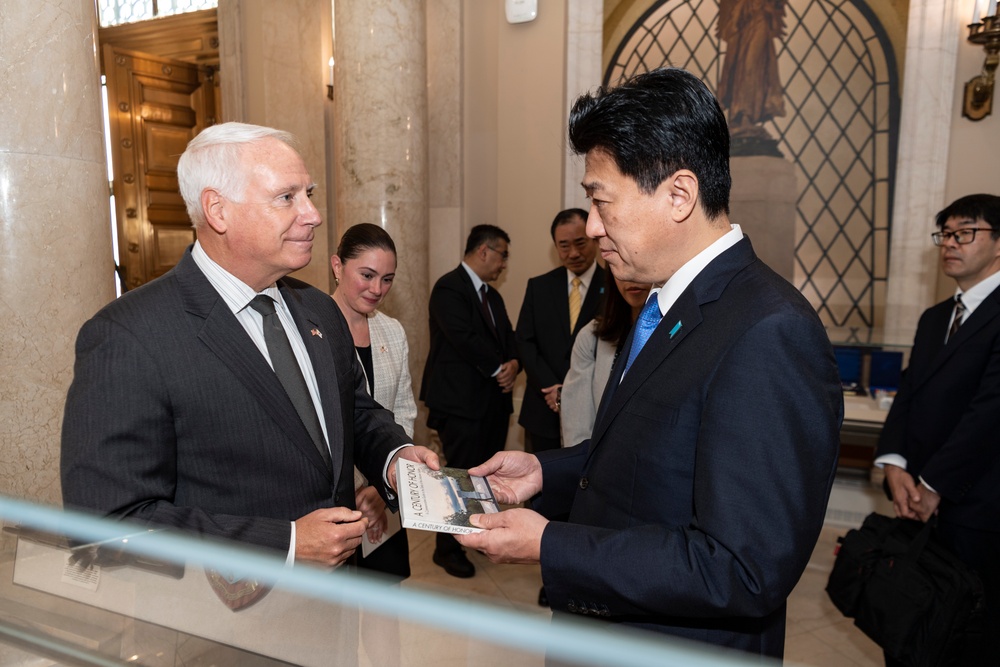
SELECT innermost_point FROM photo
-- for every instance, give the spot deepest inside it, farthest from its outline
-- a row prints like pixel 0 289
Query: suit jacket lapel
pixel 678 323
pixel 980 317
pixel 682 318
pixel 321 357
pixel 501 325
pixel 220 331
pixel 558 296
pixel 464 278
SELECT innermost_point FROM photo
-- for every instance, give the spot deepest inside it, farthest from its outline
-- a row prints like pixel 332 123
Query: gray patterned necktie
pixel 286 367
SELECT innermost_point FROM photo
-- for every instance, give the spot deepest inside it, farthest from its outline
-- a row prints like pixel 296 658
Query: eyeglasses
pixel 503 255
pixel 962 236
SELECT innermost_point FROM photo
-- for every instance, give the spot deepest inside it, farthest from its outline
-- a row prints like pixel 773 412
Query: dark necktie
pixel 286 367
pixel 486 307
pixel 956 321
pixel 644 327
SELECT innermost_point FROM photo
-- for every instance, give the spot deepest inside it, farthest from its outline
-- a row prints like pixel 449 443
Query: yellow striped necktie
pixel 575 299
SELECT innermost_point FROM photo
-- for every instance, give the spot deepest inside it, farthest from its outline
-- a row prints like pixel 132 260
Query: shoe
pixel 455 563
pixel 543 599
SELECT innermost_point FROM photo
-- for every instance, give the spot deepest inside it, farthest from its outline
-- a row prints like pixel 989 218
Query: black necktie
pixel 956 321
pixel 286 367
pixel 486 307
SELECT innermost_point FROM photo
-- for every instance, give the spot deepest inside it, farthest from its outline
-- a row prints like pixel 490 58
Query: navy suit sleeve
pixel 561 469
pixel 766 427
pixel 892 439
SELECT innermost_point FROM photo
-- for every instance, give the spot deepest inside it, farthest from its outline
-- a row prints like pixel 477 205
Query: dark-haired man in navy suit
pixel 939 446
pixel 191 408
pixel 471 367
pixel 556 306
pixel 695 507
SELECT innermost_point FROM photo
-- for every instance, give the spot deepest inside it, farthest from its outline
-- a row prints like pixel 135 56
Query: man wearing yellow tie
pixel 556 306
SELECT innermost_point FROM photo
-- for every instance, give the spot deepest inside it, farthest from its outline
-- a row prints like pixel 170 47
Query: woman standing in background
pixel 594 353
pixel 364 268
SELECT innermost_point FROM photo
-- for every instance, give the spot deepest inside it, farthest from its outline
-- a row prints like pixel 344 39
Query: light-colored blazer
pixel 390 362
pixel 589 370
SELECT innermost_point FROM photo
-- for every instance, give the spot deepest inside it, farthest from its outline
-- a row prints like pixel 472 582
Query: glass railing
pixel 78 590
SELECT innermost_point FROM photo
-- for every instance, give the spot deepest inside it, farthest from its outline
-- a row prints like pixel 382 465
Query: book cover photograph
pixel 441 500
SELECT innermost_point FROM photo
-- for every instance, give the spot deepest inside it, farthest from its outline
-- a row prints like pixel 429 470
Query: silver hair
pixel 213 159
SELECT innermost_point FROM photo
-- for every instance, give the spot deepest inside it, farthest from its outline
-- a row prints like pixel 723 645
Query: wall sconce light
pixel 978 102
pixel 329 86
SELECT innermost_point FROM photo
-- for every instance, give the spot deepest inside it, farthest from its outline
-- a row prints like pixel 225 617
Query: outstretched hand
pixel 513 476
pixel 416 453
pixel 511 536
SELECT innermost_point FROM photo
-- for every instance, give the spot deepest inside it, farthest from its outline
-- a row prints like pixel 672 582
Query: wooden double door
pixel 156 105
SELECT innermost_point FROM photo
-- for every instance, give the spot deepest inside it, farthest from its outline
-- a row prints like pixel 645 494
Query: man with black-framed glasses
pixel 471 367
pixel 940 447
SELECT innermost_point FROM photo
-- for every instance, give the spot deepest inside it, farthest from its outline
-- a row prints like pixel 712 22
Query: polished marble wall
pixel 55 255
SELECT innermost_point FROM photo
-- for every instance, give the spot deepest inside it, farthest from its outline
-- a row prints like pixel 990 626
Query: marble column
pixel 584 32
pixel 55 229
pixel 274 59
pixel 380 146
pixel 932 39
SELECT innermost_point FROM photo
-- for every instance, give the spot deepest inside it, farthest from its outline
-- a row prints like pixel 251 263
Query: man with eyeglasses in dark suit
pixel 471 367
pixel 939 447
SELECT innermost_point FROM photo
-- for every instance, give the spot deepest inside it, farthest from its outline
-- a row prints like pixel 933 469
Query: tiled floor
pixel 818 635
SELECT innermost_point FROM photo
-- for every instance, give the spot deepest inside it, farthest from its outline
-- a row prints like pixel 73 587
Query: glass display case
pixel 77 590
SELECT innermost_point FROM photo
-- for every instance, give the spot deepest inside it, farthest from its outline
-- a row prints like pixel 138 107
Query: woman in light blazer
pixel 364 268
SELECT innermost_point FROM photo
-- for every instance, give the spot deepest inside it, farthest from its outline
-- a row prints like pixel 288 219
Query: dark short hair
pixel 361 237
pixel 974 207
pixel 565 217
pixel 654 124
pixel 481 234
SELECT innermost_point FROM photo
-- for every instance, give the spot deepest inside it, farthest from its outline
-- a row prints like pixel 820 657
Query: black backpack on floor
pixel 908 593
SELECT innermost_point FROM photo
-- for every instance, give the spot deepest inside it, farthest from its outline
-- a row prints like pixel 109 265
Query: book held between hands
pixel 441 500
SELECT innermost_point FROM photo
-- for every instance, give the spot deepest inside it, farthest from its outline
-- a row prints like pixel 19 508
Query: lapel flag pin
pixel 677 327
pixel 316 332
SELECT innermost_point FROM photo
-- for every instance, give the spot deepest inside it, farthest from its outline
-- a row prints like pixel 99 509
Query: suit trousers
pixel 469 442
